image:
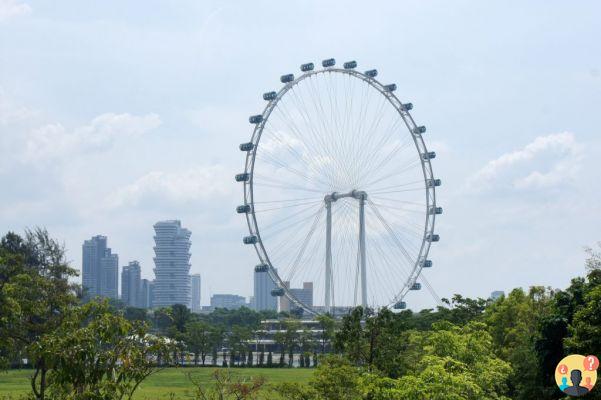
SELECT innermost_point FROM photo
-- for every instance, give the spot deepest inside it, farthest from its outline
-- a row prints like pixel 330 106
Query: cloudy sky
pixel 114 115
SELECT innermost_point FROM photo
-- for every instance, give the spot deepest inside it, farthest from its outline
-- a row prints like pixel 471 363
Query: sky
pixel 114 115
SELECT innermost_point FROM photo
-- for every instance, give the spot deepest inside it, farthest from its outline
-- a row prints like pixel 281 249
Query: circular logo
pixel 576 375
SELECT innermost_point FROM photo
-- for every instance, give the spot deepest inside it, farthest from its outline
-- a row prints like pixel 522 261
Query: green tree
pixel 327 326
pixel 180 315
pixel 198 340
pixel 96 354
pixel 135 314
pixel 514 323
pixel 35 294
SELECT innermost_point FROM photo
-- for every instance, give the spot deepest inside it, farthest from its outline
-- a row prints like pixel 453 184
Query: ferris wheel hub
pixel 355 194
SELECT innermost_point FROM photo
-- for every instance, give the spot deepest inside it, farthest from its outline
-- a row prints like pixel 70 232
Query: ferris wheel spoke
pixel 376 163
pixel 290 216
pixel 392 269
pixel 379 198
pixel 433 293
pixel 392 234
pixel 311 129
pixel 409 166
pixel 286 200
pixel 287 206
pixel 382 189
pixel 294 222
pixel 276 163
pixel 375 122
pixel 369 151
pixel 293 152
pixel 369 170
pixel 303 247
pixel 303 138
pixel 291 187
pixel 404 265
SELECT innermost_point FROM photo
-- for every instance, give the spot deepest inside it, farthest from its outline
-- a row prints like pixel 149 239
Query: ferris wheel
pixel 339 191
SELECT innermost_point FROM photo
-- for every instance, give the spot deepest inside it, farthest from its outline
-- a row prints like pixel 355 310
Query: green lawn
pixel 167 381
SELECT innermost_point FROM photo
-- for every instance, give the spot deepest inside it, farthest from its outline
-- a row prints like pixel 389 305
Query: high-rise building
pixel 195 284
pixel 110 275
pixel 263 300
pixel 131 284
pixel 100 268
pixel 146 293
pixel 172 264
pixel 92 251
pixel 304 295
pixel 229 301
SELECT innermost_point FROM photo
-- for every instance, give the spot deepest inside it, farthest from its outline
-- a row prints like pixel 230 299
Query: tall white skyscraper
pixel 195 280
pixel 263 300
pixel 172 264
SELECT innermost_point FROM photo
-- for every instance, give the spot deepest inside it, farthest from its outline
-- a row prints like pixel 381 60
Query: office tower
pixel 263 285
pixel 304 295
pixel 110 275
pixel 172 264
pixel 146 293
pixel 229 301
pixel 100 268
pixel 131 285
pixel 92 252
pixel 195 284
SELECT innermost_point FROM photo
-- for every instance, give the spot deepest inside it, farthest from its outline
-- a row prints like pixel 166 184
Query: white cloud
pixel 11 112
pixel 54 141
pixel 547 161
pixel 158 187
pixel 12 8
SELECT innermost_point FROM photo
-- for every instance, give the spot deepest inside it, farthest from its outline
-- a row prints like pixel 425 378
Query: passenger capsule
pixel 401 305
pixel 244 177
pixel 244 209
pixel 247 146
pixel 419 129
pixel 416 286
pixel 250 239
pixel 390 88
pixel 277 292
pixel 433 182
pixel 372 73
pixel 435 210
pixel 255 119
pixel 330 62
pixel 286 78
pixel 407 106
pixel 261 268
pixel 269 96
pixel 429 155
pixel 350 65
pixel 426 263
pixel 430 237
pixel 307 67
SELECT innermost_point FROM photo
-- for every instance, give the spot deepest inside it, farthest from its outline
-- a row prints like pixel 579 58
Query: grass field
pixel 167 381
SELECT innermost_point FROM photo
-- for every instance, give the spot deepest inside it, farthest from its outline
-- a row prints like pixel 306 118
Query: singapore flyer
pixel 339 190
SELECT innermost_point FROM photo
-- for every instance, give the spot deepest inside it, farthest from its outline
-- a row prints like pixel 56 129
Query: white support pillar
pixel 329 199
pixel 328 254
pixel 362 250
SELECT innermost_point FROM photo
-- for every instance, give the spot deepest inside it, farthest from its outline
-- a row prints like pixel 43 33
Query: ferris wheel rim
pixel 427 172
